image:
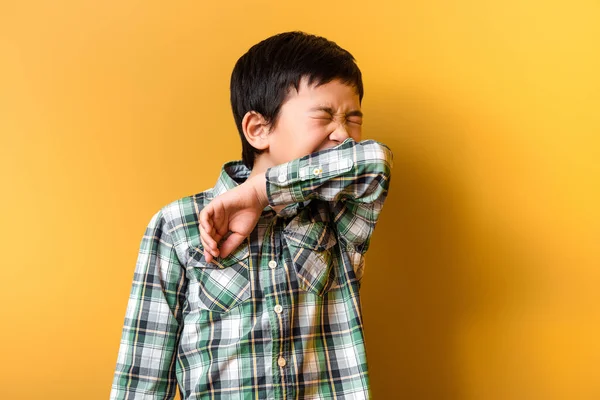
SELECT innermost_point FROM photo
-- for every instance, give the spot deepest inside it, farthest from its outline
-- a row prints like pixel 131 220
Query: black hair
pixel 262 78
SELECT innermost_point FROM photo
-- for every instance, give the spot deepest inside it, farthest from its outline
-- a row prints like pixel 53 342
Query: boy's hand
pixel 236 211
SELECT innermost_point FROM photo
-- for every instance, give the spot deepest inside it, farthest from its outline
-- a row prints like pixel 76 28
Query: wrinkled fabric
pixel 280 317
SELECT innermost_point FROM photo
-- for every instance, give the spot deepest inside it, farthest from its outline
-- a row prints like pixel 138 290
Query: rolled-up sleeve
pixel 353 176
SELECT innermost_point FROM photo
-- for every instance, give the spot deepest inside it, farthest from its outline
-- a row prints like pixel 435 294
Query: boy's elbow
pixel 379 153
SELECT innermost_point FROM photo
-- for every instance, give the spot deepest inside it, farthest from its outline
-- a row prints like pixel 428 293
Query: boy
pixel 250 290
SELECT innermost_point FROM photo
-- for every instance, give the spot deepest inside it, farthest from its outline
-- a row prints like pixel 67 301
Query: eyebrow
pixel 330 110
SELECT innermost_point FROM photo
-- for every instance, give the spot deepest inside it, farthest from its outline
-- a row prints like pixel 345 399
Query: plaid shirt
pixel 280 317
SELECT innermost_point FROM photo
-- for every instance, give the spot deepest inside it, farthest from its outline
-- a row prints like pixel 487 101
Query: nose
pixel 340 133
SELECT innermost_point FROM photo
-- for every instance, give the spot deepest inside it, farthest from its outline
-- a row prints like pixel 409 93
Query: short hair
pixel 263 76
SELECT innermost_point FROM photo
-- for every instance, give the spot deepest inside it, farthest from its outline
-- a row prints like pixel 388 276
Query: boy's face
pixel 313 119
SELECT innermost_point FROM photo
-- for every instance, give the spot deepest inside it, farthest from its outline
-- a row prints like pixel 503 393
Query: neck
pixel 261 164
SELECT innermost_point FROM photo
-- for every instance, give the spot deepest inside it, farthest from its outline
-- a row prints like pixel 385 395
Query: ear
pixel 256 130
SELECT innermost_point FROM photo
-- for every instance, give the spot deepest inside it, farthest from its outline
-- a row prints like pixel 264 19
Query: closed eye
pixel 324 118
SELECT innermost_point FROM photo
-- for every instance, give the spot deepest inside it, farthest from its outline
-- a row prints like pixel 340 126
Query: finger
pixel 231 243
pixel 206 216
pixel 220 222
pixel 218 230
pixel 207 230
pixel 207 256
pixel 208 242
pixel 205 246
pixel 217 238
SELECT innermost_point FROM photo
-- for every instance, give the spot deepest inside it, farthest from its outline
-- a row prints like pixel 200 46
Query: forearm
pixel 258 183
pixel 356 171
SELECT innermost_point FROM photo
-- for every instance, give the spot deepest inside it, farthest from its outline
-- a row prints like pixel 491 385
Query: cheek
pixel 355 131
pixel 318 130
pixel 319 124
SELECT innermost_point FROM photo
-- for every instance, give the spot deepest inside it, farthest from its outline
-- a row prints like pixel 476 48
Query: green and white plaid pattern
pixel 280 318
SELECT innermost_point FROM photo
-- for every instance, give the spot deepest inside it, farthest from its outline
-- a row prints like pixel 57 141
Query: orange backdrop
pixel 482 280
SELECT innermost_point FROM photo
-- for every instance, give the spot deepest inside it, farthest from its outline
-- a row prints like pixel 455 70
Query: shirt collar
pixel 234 173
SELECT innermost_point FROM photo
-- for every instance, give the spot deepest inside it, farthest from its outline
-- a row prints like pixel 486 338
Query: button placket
pixel 276 283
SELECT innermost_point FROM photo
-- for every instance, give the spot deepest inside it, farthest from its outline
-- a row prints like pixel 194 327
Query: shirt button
pixel 272 264
pixel 281 361
pixel 317 171
pixel 278 308
pixel 281 178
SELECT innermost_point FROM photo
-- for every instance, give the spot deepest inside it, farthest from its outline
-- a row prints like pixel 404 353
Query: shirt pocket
pixel 224 283
pixel 311 247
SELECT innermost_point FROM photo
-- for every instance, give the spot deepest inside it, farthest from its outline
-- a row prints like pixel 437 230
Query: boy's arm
pixel 355 176
pixel 153 321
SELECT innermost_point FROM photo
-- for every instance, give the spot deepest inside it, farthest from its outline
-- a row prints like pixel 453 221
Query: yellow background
pixel 483 278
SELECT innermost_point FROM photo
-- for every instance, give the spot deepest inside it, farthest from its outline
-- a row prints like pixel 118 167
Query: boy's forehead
pixel 325 94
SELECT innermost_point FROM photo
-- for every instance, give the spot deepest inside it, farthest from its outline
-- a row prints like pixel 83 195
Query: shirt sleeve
pixel 153 319
pixel 353 176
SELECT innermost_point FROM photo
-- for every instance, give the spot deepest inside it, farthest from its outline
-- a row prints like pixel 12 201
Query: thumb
pixel 231 243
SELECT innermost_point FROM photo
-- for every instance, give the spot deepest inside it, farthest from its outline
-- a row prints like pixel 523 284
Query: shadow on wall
pixel 422 277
